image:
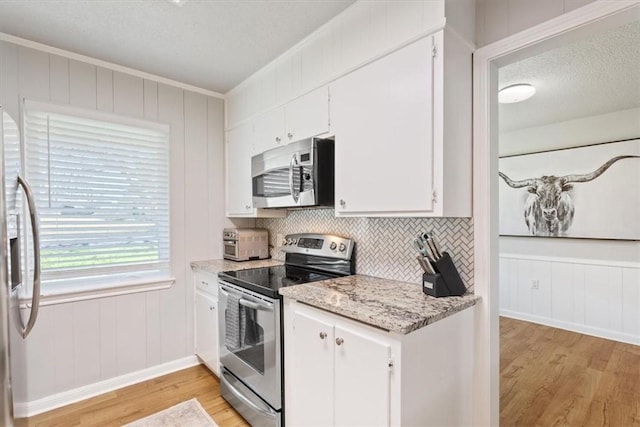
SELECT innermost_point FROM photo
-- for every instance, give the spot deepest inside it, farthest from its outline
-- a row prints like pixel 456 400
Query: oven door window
pixel 244 333
pixel 230 248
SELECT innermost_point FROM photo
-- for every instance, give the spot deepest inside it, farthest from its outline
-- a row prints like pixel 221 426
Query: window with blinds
pixel 101 184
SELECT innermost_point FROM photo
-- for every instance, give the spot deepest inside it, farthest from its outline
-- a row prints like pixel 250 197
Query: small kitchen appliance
pixel 299 174
pixel 250 322
pixel 245 244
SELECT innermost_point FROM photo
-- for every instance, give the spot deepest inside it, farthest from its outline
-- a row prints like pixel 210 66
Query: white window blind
pixel 101 184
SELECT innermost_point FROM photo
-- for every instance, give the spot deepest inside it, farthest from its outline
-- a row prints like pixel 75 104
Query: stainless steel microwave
pixel 295 175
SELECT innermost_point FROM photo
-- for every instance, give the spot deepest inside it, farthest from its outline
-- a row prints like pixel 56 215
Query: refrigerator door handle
pixel 35 297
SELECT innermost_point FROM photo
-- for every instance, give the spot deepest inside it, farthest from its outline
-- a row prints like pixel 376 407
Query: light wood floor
pixel 548 377
pixel 552 377
pixel 137 401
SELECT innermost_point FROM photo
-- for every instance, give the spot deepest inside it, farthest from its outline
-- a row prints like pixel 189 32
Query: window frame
pixel 99 281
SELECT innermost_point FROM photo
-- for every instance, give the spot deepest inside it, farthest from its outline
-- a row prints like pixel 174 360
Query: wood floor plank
pixel 553 377
pixel 140 400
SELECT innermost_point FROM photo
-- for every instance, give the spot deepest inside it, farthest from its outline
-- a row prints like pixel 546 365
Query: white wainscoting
pixel 68 397
pixel 600 298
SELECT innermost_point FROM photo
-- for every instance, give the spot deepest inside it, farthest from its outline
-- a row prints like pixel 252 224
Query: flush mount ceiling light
pixel 177 2
pixel 516 93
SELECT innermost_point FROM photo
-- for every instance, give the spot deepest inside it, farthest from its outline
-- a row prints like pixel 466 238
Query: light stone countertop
pixel 391 305
pixel 215 266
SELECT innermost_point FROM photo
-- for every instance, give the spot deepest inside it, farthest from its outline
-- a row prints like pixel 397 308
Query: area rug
pixel 186 414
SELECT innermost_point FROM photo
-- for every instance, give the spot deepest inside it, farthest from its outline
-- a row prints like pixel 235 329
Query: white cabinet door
pixel 362 376
pixel 308 115
pixel 382 117
pixel 238 170
pixel 311 376
pixel 207 331
pixel 269 130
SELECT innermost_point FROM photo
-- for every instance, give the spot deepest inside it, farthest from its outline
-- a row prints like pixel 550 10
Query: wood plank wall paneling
pixel 80 343
pixel 582 296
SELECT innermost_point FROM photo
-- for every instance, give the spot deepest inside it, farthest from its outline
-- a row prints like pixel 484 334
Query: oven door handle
pixel 246 302
pixel 254 305
pixel 245 399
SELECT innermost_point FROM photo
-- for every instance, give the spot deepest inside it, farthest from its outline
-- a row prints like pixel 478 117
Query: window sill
pixel 87 289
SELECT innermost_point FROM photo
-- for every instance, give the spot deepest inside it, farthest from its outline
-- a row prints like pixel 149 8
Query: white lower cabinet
pixel 348 370
pixel 339 372
pixel 206 322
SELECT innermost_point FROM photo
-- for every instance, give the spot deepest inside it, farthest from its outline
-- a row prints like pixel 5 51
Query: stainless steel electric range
pixel 251 336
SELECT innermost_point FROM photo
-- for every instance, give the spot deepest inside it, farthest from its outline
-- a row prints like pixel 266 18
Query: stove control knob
pixel 294 241
pixel 333 246
pixel 342 247
pixel 284 242
pixel 289 241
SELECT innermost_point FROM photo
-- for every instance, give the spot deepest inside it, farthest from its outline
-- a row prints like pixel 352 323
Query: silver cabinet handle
pixel 293 163
pixel 278 139
pixel 33 215
pixel 342 203
pixel 290 135
pixel 339 341
pixel 211 308
pixel 247 207
pixel 323 335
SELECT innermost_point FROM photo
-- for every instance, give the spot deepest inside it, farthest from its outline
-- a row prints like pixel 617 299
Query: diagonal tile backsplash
pixel 383 245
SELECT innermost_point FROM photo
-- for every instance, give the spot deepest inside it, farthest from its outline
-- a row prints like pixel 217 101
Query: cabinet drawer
pixel 207 283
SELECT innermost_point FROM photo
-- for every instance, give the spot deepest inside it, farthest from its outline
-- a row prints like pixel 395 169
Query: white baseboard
pixel 574 327
pixel 28 409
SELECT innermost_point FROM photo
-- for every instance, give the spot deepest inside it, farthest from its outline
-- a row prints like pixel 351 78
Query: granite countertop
pixel 395 306
pixel 215 266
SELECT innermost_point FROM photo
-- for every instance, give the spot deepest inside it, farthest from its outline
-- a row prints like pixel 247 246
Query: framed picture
pixel 587 192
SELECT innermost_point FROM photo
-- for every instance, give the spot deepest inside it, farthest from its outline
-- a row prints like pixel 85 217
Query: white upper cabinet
pixel 238 171
pixel 301 118
pixel 238 152
pixel 308 115
pixel 403 132
pixel 383 122
pixel 269 130
pixel 401 116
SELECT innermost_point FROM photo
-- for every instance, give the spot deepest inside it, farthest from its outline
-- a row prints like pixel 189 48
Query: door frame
pixel 577 24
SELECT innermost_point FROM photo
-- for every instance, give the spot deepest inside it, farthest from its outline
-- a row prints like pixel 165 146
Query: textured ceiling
pixel 212 44
pixel 594 76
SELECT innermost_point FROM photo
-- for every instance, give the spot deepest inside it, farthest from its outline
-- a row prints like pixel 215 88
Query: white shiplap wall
pixel 497 19
pixel 84 343
pixel 599 298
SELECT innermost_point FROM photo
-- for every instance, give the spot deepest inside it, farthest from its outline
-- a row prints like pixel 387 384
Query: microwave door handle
pixel 293 163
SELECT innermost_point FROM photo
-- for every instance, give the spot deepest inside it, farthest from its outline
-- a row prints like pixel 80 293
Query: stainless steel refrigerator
pixel 18 264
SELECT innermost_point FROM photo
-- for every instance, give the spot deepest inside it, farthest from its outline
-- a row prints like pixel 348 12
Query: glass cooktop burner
pixel 267 280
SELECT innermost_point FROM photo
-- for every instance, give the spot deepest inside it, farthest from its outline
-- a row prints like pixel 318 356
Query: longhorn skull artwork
pixel 549 209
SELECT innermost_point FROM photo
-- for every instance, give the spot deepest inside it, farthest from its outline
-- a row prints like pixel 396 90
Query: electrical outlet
pixel 535 285
pixel 279 239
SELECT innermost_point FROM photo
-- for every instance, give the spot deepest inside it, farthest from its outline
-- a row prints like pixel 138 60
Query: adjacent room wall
pixel 87 342
pixel 585 285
